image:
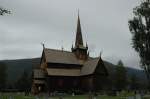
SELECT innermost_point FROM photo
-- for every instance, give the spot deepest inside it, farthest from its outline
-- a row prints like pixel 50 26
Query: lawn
pixel 14 96
pixel 64 97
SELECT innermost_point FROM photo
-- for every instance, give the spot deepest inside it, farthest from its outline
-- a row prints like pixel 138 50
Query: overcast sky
pixel 104 27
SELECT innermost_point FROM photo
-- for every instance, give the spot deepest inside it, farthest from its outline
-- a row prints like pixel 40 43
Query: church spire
pixel 79 39
pixel 80 50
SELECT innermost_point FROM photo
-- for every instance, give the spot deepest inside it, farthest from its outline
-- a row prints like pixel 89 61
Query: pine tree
pixel 120 78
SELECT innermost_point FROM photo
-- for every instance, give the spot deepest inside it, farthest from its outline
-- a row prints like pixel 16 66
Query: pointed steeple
pixel 79 39
pixel 79 49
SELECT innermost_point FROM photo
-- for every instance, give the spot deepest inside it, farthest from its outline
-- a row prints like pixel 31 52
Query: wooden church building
pixel 61 70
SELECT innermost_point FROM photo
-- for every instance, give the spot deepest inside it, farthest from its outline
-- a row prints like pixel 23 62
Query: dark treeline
pixel 23 83
pixel 118 79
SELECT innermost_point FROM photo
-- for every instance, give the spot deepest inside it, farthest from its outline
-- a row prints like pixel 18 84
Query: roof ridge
pixel 58 50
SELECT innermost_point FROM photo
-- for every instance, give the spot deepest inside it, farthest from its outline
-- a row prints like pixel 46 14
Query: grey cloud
pixel 104 26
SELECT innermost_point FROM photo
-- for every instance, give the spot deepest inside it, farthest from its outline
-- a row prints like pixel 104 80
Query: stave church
pixel 61 70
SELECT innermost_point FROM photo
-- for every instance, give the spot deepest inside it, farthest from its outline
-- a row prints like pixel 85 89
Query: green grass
pixel 98 97
pixel 64 97
pixel 56 97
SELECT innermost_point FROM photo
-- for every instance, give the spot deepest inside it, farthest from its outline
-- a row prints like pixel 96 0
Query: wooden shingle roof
pixel 89 66
pixel 59 56
pixel 65 57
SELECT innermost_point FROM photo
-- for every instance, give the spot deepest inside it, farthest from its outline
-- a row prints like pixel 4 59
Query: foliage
pixel 120 79
pixel 134 85
pixel 4 11
pixel 3 75
pixel 140 30
pixel 65 97
pixel 24 82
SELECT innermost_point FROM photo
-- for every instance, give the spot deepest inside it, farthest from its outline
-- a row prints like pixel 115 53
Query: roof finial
pixel 86 45
pixel 101 53
pixel 62 48
pixel 88 53
pixel 43 45
pixel 72 45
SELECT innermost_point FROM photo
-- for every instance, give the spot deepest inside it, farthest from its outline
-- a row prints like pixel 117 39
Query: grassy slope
pixel 15 68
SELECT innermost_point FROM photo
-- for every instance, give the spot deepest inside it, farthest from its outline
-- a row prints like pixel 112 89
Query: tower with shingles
pixel 79 49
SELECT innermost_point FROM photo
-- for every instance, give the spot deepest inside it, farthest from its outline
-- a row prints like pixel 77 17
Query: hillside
pixel 16 67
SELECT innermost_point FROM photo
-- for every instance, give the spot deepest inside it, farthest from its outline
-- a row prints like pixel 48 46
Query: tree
pixel 23 82
pixel 4 11
pixel 120 78
pixel 140 30
pixel 134 82
pixel 3 75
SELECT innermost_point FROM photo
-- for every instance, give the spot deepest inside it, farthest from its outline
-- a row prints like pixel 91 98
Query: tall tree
pixel 3 75
pixel 120 78
pixel 140 30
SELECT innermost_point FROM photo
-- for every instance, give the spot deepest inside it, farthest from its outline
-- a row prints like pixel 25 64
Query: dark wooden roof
pixel 89 66
pixel 59 56
pixel 65 57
